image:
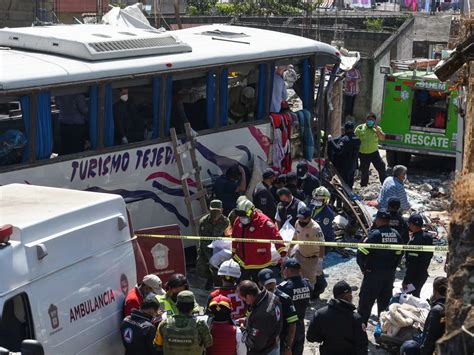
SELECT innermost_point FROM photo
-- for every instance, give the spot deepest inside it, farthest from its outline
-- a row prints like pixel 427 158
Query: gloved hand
pixel 124 140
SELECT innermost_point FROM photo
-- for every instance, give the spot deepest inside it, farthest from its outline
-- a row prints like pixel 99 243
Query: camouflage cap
pixel 185 296
pixel 215 205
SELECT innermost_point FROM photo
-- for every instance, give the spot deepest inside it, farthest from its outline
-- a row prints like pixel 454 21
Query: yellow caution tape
pixel 425 248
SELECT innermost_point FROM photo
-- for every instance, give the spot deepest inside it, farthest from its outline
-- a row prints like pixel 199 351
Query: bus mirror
pixel 31 347
pixel 385 69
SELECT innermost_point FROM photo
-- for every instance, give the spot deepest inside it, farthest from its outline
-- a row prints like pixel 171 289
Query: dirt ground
pixel 424 175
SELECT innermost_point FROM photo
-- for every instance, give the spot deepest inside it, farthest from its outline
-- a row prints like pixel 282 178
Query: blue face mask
pixel 370 123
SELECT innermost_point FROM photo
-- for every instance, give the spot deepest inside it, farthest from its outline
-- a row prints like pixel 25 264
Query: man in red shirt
pixel 150 283
pixel 253 224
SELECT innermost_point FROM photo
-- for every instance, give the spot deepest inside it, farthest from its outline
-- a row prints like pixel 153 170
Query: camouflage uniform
pixel 220 228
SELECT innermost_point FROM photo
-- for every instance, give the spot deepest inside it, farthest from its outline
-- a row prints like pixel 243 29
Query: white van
pixel 66 264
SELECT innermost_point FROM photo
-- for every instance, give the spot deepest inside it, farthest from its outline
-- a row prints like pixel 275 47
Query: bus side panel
pixel 88 300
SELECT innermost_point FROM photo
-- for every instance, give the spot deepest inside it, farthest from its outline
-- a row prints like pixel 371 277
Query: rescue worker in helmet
pixel 226 335
pixel 230 273
pixel 323 213
pixel 253 224
pixel 183 333
pixel 174 286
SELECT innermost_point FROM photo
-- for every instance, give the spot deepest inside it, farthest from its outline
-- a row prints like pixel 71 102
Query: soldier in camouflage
pixel 214 224
pixel 183 333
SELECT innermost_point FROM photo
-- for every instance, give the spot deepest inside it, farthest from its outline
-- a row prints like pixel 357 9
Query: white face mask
pixel 124 98
pixel 318 203
pixel 244 220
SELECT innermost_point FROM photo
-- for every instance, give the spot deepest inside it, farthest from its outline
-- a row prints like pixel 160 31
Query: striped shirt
pixel 393 187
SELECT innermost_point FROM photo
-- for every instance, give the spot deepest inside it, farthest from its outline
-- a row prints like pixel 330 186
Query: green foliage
pixel 374 24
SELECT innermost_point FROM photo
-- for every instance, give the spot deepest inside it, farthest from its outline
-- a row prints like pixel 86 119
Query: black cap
pixel 266 276
pixel 416 219
pixel 349 125
pixel 268 173
pixel 291 176
pixel 341 288
pixel 382 215
pixel 291 263
pixel 301 169
pixel 304 212
pixel 281 179
pixel 393 202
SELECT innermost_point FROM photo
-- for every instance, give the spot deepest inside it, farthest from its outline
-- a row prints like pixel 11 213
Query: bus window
pixel 242 94
pixel 16 323
pixel 132 111
pixel 429 109
pixel 13 141
pixel 189 103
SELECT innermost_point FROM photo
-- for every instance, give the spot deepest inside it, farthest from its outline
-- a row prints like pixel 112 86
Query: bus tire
pixel 403 158
pixel 391 156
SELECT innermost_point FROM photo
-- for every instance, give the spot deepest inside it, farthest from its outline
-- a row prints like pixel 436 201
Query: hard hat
pixel 229 268
pixel 321 192
pixel 244 207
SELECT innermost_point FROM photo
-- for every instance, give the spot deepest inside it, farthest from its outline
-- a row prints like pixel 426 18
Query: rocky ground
pixel 428 188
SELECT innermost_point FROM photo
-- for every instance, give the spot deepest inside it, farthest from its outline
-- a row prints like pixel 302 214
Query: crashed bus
pixel 199 66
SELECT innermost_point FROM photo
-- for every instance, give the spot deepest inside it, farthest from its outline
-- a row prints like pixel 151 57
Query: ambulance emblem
pixel 53 316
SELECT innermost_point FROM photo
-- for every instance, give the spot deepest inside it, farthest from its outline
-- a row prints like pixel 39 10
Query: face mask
pixel 285 203
pixel 303 224
pixel 304 176
pixel 370 123
pixel 244 220
pixel 124 98
pixel 318 203
pixel 215 214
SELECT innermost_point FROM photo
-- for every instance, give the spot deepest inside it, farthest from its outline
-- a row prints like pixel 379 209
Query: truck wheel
pixel 391 157
pixel 403 158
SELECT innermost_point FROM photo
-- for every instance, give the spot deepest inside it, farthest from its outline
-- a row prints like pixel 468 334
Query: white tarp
pixel 131 16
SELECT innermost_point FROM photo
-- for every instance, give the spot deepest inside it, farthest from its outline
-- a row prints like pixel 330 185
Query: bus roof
pixel 420 74
pixel 25 68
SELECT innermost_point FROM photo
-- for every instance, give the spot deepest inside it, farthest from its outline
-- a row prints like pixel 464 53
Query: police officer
pixel 279 183
pixel 397 222
pixel 307 182
pixel 176 283
pixel 299 290
pixel 323 213
pixel 262 195
pixel 138 330
pixel 417 262
pixel 263 323
pixel 288 207
pixel 292 185
pixel 267 280
pixel 378 266
pixel 213 224
pixel 182 333
pixel 344 153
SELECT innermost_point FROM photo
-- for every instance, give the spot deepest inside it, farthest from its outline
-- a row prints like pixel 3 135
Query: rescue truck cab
pixel 67 262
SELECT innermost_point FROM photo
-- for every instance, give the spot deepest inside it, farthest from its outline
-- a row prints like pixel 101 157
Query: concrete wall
pixel 17 13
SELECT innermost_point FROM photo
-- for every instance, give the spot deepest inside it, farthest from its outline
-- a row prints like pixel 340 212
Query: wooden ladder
pixel 180 150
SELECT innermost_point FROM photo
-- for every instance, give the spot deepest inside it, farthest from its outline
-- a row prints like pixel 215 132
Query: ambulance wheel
pixel 391 158
pixel 403 158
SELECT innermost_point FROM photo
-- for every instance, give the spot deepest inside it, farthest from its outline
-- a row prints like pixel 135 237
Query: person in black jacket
pixel 263 198
pixel 344 151
pixel 378 267
pixel 264 321
pixel 434 324
pixel 137 329
pixel 288 207
pixel 292 185
pixel 307 182
pixel 337 326
pixel 397 222
pixel 417 262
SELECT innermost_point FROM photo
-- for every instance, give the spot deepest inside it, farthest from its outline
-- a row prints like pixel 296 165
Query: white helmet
pixel 229 268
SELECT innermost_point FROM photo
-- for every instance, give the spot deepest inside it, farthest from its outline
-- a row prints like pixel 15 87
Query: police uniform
pixel 307 182
pixel 264 199
pixel 183 333
pixel 299 290
pixel 417 262
pixel 398 223
pixel 137 334
pixel 378 267
pixel 290 211
pixel 288 313
pixel 325 216
pixel 344 153
pixel 210 228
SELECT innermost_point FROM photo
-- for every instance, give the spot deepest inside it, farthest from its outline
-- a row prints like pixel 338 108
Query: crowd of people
pixel 260 293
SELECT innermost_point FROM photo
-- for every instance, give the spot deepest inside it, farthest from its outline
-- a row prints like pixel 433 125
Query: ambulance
pixel 419 113
pixel 67 260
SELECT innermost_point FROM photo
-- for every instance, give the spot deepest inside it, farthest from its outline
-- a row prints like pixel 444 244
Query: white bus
pixel 52 76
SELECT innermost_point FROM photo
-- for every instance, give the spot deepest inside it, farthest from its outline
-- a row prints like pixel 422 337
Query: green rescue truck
pixel 419 116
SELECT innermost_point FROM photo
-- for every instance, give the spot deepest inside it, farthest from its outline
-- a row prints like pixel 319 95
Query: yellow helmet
pixel 244 207
pixel 321 193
